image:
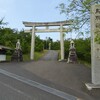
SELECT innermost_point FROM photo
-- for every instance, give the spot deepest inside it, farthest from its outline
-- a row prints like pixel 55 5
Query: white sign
pixel 2 57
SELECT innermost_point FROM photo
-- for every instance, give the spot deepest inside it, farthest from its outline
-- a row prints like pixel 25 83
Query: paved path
pixel 72 76
pixel 67 78
pixel 51 55
pixel 35 84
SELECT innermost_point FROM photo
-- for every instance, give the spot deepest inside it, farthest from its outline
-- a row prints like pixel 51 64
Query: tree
pixel 55 45
pixel 80 11
pixel 83 49
pixel 2 23
pixel 25 40
pixel 8 37
pixel 38 44
pixel 47 41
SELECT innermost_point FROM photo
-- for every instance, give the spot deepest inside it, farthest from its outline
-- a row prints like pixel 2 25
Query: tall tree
pixel 25 39
pixel 79 11
pixel 8 37
pixel 38 44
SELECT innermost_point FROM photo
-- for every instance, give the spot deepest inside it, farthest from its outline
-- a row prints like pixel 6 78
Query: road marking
pixel 39 86
pixel 16 90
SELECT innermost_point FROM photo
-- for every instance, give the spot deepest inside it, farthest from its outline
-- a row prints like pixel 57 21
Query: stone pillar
pixel 95 47
pixel 32 43
pixel 62 42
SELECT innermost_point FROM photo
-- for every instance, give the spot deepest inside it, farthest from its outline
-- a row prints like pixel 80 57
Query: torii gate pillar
pixel 32 43
pixel 62 42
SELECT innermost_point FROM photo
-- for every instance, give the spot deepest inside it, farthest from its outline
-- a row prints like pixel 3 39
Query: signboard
pixel 2 57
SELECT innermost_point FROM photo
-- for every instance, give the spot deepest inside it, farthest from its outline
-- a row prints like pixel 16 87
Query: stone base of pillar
pixel 17 55
pixel 62 60
pixel 91 86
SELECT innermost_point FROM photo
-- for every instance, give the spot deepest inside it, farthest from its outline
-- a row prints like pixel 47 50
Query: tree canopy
pixel 79 11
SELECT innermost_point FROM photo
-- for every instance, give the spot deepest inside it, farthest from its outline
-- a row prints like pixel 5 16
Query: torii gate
pixel 34 30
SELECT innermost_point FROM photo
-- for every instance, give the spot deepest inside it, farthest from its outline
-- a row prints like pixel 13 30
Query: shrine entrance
pixel 95 41
pixel 35 29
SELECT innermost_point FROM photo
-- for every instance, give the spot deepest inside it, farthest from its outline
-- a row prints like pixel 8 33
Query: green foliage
pixel 37 55
pixel 55 45
pixel 1 22
pixel 79 11
pixel 46 43
pixel 97 36
pixel 66 47
pixel 38 44
pixel 83 49
pixel 25 39
pixel 8 37
pixel 26 57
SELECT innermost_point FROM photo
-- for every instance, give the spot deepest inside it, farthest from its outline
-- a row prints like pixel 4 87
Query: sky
pixel 17 11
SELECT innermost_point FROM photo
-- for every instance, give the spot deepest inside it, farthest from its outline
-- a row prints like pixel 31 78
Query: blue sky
pixel 16 11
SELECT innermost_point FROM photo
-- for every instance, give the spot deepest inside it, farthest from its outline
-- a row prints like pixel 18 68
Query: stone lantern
pixel 72 58
pixel 17 55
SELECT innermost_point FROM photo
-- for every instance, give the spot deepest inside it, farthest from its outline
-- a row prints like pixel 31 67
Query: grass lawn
pixel 26 57
pixel 85 63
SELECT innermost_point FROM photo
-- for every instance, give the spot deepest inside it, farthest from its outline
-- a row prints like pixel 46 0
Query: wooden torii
pixel 35 29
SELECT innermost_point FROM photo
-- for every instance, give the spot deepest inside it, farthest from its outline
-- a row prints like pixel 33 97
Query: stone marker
pixel 95 47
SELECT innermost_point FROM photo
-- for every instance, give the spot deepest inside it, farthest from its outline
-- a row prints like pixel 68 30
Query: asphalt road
pixel 12 89
pixel 19 84
pixel 46 79
pixel 51 55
